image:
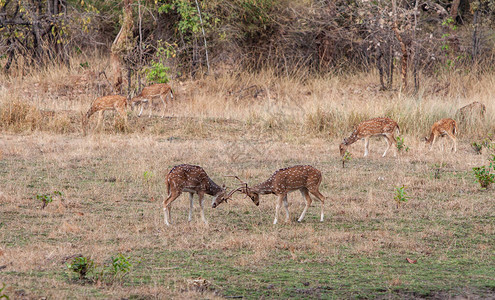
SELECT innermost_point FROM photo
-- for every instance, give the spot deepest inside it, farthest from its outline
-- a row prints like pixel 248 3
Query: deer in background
pixel 442 128
pixel 473 110
pixel 113 102
pixel 191 179
pixel 147 95
pixel 306 179
pixel 385 127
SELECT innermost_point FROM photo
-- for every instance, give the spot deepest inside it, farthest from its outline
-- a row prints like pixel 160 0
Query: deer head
pixel 343 148
pixel 243 189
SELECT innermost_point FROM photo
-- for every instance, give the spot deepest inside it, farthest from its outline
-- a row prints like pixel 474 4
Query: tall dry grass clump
pixel 19 116
pixel 258 102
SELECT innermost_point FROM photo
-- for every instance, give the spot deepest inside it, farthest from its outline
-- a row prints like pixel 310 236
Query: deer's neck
pixel 352 138
pixel 266 187
pixel 213 188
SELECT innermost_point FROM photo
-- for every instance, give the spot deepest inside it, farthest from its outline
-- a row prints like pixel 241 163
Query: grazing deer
pixel 147 95
pixel 385 127
pixel 306 179
pixel 191 179
pixel 442 128
pixel 113 102
pixel 472 110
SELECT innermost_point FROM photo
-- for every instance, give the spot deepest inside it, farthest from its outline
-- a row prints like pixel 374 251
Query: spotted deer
pixel 475 110
pixel 112 102
pixel 443 127
pixel 147 95
pixel 191 179
pixel 385 127
pixel 306 179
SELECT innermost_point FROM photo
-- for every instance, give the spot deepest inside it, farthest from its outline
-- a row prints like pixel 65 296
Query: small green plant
pixel 347 157
pixel 477 147
pixel 400 195
pixel 47 198
pixel 484 174
pixel 2 295
pixel 401 145
pixel 82 266
pixel 147 176
pixel 120 266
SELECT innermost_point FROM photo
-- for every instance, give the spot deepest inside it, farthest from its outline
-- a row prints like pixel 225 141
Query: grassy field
pixel 112 185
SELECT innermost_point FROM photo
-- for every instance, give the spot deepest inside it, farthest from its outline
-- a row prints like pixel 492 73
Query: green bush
pixel 82 266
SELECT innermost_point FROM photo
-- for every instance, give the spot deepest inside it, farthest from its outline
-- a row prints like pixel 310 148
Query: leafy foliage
pixel 2 295
pixel 347 157
pixel 82 266
pixel 401 145
pixel 400 195
pixel 120 266
pixel 47 198
pixel 484 174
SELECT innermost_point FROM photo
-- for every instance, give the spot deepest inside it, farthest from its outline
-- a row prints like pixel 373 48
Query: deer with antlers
pixel 191 179
pixel 102 104
pixel 306 179
pixel 443 127
pixel 385 127
pixel 147 95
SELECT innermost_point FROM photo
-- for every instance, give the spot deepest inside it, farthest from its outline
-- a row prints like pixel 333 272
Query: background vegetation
pixel 282 84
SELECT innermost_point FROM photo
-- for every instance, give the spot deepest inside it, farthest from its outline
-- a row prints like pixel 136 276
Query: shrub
pixel 400 195
pixel 401 145
pixel 120 266
pixel 483 174
pixel 47 198
pixel 18 116
pixel 82 266
pixel 347 157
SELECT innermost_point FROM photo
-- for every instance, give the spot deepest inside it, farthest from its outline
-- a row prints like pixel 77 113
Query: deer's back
pixel 376 126
pixel 475 108
pixel 295 177
pixel 443 125
pixel 154 90
pixel 109 102
pixel 187 177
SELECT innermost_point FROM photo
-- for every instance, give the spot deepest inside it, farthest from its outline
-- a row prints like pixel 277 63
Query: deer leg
pixel 190 206
pixel 433 141
pixel 320 197
pixel 393 141
pixel 387 139
pixel 141 110
pixel 286 207
pixel 164 105
pixel 305 194
pixel 454 143
pixel 98 122
pixel 123 115
pixel 366 146
pixel 150 106
pixel 166 207
pixel 201 198
pixel 277 208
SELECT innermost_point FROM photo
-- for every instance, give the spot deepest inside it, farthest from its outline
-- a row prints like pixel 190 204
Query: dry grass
pixel 217 123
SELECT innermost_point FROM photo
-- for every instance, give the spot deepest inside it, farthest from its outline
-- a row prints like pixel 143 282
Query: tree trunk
pixel 403 47
pixel 121 46
pixel 454 9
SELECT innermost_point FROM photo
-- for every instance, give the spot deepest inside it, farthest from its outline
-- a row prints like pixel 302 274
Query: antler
pixel 239 189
